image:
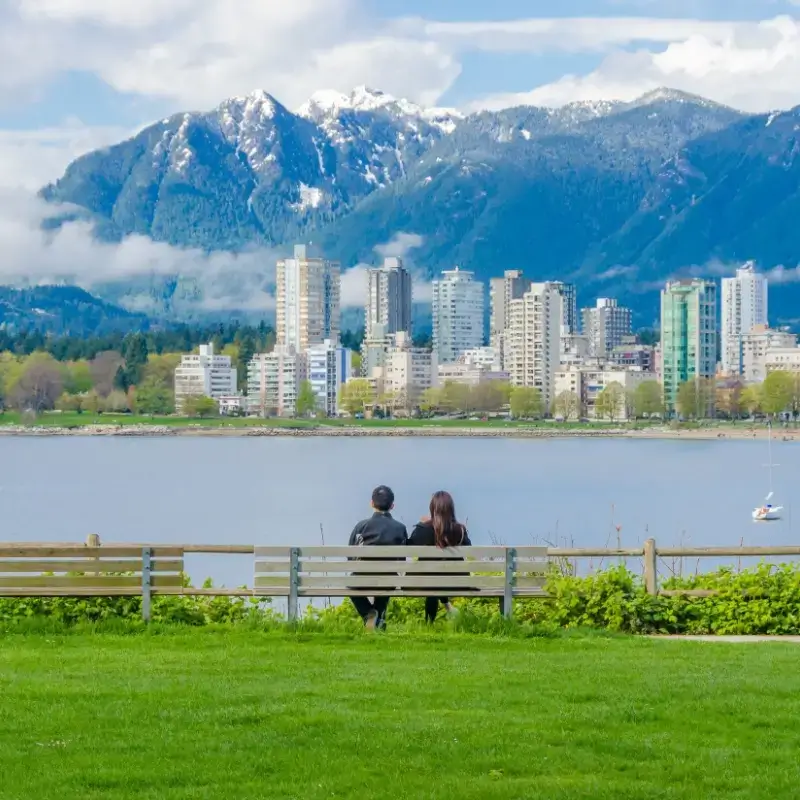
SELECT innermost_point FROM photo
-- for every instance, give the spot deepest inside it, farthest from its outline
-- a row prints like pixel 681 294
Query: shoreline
pixel 702 434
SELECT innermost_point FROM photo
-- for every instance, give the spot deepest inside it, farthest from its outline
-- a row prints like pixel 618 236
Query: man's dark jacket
pixel 380 530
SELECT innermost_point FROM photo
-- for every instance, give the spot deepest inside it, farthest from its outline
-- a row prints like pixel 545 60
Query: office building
pixel 569 307
pixel 632 355
pixel 204 374
pixel 388 297
pixel 273 382
pixel 605 325
pixel 534 339
pixel 744 307
pixel 458 308
pixel 512 286
pixel 688 334
pixel 328 366
pixel 307 300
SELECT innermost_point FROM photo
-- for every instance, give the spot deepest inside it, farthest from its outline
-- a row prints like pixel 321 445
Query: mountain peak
pixel 663 94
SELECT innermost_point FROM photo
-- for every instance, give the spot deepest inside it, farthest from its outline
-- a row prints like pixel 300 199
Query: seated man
pixel 378 530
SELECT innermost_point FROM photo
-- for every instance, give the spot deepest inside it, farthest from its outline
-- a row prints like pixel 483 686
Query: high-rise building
pixel 744 306
pixel 534 339
pixel 389 297
pixel 373 349
pixel 408 372
pixel 273 382
pixel 688 334
pixel 569 307
pixel 307 300
pixel 501 292
pixel 204 374
pixel 605 325
pixel 328 366
pixel 458 306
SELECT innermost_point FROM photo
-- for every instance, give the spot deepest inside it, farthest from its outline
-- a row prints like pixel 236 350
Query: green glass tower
pixel 688 334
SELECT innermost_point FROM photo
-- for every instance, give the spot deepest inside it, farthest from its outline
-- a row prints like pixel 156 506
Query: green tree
pixel 247 349
pixel 38 384
pixel 526 403
pixel 567 405
pixel 696 398
pixel 648 399
pixel 356 394
pixel 135 352
pixel 78 377
pixel 488 396
pixel 431 400
pixel 306 399
pixel 609 402
pixel 90 402
pixel 199 405
pixel 117 402
pixel 455 396
pixel 161 369
pixel 777 391
pixel 752 398
pixel 150 397
pixel 68 403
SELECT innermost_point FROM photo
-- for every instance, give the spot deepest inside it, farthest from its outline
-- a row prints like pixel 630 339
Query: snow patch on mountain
pixel 311 197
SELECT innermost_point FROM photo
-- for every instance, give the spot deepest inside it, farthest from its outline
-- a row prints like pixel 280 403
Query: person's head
pixel 447 530
pixel 382 499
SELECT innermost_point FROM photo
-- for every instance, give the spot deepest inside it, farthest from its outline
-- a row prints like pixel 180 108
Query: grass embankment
pixel 211 714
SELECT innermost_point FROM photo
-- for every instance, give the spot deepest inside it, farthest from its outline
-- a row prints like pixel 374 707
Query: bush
pixel 761 600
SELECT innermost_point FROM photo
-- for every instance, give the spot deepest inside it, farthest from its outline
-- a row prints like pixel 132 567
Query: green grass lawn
pixel 72 419
pixel 207 714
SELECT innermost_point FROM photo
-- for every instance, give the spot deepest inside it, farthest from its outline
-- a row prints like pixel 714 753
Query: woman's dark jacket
pixel 423 536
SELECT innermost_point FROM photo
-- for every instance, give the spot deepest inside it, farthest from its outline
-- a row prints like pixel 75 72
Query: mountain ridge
pixel 589 190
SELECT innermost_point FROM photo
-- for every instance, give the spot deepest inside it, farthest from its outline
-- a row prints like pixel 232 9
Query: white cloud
pixel 198 52
pixel 748 65
pixel 72 255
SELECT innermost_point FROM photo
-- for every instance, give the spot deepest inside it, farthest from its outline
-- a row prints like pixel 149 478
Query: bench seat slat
pixel 101 565
pixel 100 582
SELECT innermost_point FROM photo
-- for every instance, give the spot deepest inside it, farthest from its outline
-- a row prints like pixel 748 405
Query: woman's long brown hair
pixel 447 531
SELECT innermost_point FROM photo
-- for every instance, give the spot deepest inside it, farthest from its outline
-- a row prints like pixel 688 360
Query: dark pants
pixel 364 606
pixel 432 607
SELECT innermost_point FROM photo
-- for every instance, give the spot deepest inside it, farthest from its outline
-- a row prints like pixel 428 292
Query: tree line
pixel 132 373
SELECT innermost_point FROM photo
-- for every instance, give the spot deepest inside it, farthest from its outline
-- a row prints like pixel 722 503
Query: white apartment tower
pixel 458 306
pixel 307 300
pixel 388 297
pixel 204 374
pixel 605 325
pixel 744 306
pixel 534 339
pixel 501 292
pixel 273 382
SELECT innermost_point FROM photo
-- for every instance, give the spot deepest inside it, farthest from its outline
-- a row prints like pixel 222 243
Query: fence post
pixel 146 582
pixel 650 567
pixel 294 582
pixel 93 540
pixel 508 594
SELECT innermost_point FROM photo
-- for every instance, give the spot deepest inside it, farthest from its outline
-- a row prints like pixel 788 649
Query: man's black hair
pixel 382 498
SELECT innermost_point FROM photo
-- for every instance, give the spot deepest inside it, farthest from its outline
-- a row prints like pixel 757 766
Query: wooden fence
pixel 93 570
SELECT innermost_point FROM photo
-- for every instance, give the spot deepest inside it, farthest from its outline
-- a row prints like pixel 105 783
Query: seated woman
pixel 441 530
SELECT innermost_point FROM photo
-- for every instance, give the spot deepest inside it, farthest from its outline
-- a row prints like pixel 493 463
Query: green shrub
pixel 762 600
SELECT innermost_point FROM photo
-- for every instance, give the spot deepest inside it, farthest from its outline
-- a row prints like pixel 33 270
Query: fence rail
pixel 81 569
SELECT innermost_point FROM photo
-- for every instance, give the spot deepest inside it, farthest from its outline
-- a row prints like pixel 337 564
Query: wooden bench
pixel 299 572
pixel 30 570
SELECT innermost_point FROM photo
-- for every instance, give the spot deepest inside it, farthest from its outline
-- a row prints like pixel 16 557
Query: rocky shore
pixel 543 432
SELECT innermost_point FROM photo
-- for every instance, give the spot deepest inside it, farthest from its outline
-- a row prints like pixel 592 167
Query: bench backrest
pixel 79 571
pixel 401 571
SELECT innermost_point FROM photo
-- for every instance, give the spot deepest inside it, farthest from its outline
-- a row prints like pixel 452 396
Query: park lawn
pixel 240 714
pixel 74 419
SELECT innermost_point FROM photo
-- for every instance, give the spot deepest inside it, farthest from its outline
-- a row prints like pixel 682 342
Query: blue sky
pixel 75 74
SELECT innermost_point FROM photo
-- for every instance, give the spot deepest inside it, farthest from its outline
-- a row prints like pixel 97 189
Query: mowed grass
pixel 76 420
pixel 206 714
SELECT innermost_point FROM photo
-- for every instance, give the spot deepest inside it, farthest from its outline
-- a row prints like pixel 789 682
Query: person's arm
pixel 355 535
pixel 466 542
pixel 414 539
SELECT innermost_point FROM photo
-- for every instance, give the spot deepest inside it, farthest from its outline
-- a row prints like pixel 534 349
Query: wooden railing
pixel 147 570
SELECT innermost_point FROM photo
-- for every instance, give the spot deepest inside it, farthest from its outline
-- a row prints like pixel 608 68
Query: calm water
pixel 280 491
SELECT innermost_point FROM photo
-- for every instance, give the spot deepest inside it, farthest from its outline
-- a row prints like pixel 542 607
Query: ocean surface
pixel 564 492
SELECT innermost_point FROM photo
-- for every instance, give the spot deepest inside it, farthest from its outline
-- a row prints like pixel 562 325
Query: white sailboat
pixel 767 512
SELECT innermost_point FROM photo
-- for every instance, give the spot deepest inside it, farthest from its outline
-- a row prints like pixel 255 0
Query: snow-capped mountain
pixel 579 190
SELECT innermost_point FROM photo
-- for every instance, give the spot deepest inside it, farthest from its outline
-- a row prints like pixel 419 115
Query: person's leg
pixel 431 609
pixel 363 606
pixel 381 605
